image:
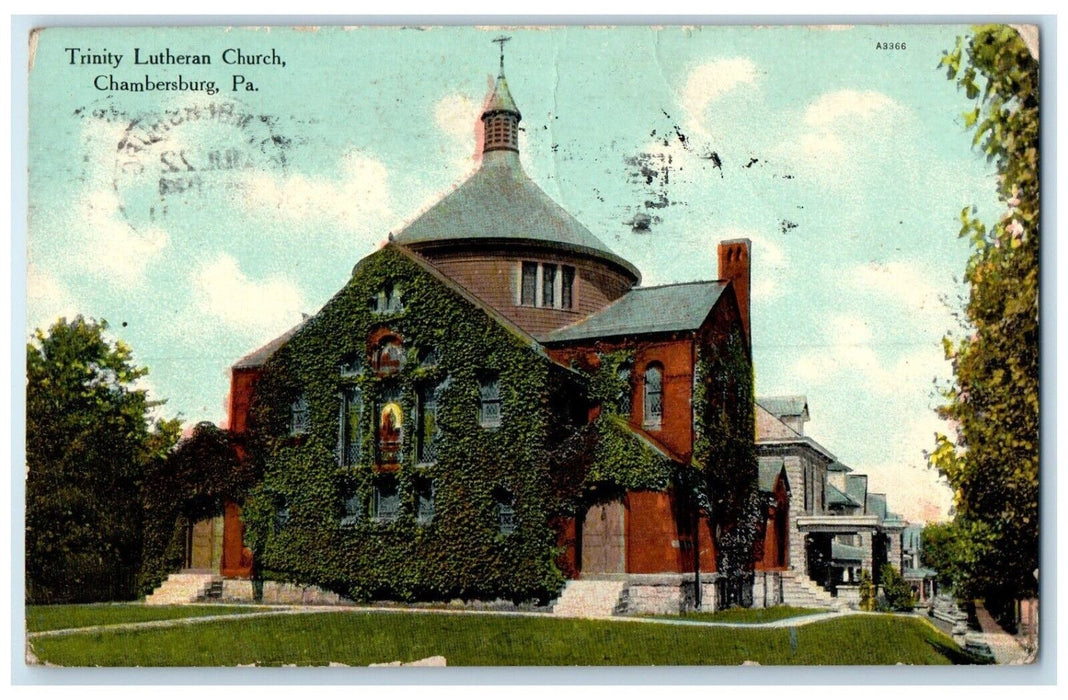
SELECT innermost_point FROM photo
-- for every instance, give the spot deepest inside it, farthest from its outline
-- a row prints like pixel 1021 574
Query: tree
pixel 896 591
pixel 88 438
pixel 992 460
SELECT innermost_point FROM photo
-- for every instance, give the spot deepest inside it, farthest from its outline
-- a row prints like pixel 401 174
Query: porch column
pixel 895 550
pixel 865 539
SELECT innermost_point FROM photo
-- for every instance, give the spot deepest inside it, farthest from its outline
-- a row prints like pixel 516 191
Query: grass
pixel 361 638
pixel 40 618
pixel 746 615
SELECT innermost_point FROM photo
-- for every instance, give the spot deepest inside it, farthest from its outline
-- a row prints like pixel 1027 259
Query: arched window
pixel 299 416
pixel 653 403
pixel 389 355
pixel 625 395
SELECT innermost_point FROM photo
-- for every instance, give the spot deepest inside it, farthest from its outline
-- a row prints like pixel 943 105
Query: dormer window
pixel 546 285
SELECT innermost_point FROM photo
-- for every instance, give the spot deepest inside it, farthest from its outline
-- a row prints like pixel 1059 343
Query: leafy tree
pixel 896 591
pixel 867 591
pixel 992 460
pixel 88 439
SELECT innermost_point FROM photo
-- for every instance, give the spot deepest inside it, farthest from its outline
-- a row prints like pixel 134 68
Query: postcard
pixel 532 346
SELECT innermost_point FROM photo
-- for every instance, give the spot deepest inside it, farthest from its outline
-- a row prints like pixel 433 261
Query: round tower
pixel 503 239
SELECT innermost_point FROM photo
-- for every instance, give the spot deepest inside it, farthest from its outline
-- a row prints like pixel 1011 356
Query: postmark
pixel 182 157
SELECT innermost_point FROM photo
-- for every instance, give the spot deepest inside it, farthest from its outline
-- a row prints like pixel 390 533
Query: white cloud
pixel 46 298
pixel 260 308
pixel 908 285
pixel 458 116
pixel 843 127
pixel 359 197
pixel 709 81
pixel 112 248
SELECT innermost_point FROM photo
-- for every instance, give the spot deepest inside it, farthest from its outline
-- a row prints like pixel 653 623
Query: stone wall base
pixel 668 594
pixel 767 589
pixel 277 593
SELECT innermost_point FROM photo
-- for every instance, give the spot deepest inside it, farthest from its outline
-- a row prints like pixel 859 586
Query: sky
pixel 200 226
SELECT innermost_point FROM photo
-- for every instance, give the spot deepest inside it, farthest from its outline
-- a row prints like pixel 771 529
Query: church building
pixel 494 406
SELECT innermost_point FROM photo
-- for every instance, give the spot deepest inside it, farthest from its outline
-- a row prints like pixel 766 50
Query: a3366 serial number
pixel 890 46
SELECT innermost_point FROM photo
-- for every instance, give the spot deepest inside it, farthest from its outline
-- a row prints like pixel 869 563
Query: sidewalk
pixel 1003 645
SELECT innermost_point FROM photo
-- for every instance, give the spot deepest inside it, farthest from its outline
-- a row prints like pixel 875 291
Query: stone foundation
pixel 850 595
pixel 767 589
pixel 237 589
pixel 668 594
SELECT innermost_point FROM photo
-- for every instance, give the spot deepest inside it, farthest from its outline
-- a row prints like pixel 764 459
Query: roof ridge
pixel 674 284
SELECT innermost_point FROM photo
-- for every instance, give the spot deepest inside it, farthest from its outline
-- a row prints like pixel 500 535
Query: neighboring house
pixel 922 579
pixel 832 526
pixel 492 405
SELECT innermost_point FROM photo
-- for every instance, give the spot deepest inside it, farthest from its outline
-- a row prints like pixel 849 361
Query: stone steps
pixel 183 588
pixel 591 599
pixel 800 591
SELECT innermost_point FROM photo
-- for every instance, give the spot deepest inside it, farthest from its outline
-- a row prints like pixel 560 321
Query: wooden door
pixel 603 540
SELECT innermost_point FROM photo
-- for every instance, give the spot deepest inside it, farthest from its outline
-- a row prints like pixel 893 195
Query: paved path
pixel 275 611
pixel 1003 645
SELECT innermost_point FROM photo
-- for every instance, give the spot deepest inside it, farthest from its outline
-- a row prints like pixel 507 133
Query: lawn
pixel 361 638
pixel 40 618
pixel 746 615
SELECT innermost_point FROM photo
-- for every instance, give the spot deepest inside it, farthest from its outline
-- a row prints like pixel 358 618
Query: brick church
pixel 494 406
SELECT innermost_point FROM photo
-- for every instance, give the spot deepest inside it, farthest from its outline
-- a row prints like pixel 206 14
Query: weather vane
pixel 501 40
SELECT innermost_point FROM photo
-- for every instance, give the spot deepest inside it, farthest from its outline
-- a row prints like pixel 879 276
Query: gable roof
pixel 780 406
pixel 877 505
pixel 258 357
pixel 857 487
pixel 771 427
pixel 499 202
pixel 835 497
pixel 670 307
pixel 768 470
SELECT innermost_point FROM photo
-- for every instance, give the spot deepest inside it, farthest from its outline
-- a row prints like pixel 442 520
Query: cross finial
pixel 501 41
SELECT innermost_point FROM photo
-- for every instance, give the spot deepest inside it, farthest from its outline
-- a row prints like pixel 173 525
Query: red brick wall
pixel 242 384
pixel 675 355
pixel 652 534
pixel 236 557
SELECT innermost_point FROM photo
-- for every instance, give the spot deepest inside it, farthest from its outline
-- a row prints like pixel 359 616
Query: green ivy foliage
pixel 867 591
pixel 725 454
pixel 992 459
pixel 461 551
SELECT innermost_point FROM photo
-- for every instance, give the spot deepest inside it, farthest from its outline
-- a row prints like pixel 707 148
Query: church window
pixel 506 519
pixel 388 300
pixel 489 408
pixel 351 365
pixel 351 418
pixel 428 425
pixel 548 285
pixel 390 427
pixel 281 514
pixel 653 403
pixel 352 509
pixel 529 290
pixel 386 499
pixel 567 286
pixel 389 355
pixel 299 419
pixel 424 496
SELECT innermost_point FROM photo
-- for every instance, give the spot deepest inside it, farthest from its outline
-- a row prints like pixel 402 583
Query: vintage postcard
pixel 524 346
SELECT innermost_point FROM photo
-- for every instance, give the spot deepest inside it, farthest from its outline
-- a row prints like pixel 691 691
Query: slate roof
pixel 835 497
pixel 768 470
pixel 501 99
pixel 877 505
pixel 258 357
pixel 857 487
pixel 672 307
pixel 784 405
pixel 500 203
pixel 846 552
pixel 837 466
pixel 912 537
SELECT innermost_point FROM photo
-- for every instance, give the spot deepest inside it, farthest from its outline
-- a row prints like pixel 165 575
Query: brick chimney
pixel 734 266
